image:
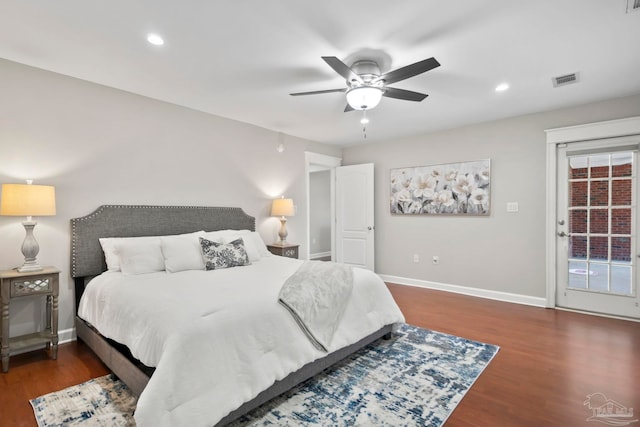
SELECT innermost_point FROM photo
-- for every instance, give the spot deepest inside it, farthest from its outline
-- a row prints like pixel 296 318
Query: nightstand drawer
pixel 289 251
pixel 31 285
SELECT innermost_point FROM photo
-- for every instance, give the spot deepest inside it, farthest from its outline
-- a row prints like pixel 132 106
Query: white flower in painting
pixel 484 177
pixel 451 175
pixel 400 179
pixel 423 186
pixel 479 196
pixel 403 195
pixel 464 185
pixel 444 198
pixel 436 173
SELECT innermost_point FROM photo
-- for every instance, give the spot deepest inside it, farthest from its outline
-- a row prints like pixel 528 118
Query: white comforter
pixel 218 338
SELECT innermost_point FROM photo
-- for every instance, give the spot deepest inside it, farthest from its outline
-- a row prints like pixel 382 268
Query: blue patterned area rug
pixel 414 379
pixel 101 402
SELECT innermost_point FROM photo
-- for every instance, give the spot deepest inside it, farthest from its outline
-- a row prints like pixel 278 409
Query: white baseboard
pixel 475 292
pixel 67 335
pixel 64 336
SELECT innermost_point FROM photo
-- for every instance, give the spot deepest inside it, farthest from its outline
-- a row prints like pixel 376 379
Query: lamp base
pixel 29 266
pixel 283 231
pixel 30 249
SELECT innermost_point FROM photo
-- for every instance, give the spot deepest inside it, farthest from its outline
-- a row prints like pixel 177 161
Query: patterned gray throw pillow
pixel 224 255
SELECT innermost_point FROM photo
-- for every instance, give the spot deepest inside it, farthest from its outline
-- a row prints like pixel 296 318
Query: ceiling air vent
pixel 633 5
pixel 567 79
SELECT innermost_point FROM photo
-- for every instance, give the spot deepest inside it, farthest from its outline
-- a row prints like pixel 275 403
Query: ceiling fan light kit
pixel 364 97
pixel 366 86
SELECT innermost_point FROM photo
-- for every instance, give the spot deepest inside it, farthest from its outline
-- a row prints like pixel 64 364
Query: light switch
pixel 512 206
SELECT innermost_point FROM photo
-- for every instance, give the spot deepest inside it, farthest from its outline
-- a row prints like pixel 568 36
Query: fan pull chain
pixel 364 120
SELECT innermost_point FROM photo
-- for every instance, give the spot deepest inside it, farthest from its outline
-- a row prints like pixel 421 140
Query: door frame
pixel 591 131
pixel 313 161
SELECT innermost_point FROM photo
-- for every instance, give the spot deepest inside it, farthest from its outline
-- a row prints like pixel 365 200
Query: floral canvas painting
pixel 454 189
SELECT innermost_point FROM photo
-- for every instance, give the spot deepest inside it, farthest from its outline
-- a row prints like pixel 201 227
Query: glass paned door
pixel 600 214
pixel 597 241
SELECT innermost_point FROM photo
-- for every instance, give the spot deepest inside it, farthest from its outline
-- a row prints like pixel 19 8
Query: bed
pixel 225 324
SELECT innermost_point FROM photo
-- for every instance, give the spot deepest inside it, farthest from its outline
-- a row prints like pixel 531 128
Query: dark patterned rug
pixel 415 379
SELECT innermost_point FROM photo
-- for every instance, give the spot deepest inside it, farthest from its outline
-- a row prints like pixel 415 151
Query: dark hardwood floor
pixel 548 363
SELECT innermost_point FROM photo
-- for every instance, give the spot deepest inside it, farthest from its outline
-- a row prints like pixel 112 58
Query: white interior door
pixel 596 243
pixel 355 244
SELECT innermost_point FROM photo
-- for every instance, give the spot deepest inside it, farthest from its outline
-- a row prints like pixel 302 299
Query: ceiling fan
pixel 366 86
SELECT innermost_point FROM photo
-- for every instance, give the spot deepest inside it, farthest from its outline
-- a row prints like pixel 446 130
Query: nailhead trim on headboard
pixel 87 258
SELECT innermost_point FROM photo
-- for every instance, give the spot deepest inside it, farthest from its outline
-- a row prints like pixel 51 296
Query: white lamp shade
pixel 364 97
pixel 282 207
pixel 27 200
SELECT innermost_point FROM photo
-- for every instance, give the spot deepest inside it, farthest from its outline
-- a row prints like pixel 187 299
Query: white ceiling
pixel 241 58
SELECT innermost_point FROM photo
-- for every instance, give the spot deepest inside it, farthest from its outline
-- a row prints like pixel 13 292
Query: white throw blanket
pixel 316 296
pixel 218 338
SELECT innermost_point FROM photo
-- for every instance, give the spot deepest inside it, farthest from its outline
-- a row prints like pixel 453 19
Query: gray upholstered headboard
pixel 87 258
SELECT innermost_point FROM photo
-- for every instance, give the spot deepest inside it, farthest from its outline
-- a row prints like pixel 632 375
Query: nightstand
pixel 29 284
pixel 286 250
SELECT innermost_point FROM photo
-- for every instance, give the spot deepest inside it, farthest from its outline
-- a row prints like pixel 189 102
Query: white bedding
pixel 218 338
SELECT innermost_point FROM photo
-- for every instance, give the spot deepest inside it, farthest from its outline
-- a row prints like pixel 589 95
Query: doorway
pixel 592 219
pixel 320 175
pixel 597 227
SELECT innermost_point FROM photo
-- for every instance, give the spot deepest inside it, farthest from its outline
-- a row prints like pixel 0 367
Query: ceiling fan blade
pixel 348 108
pixel 408 71
pixel 342 69
pixel 406 95
pixel 318 92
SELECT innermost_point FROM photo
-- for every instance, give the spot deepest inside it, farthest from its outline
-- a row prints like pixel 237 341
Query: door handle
pixel 562 234
pixel 369 228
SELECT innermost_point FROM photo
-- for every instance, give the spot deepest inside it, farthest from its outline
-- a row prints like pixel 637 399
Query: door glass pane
pixel 578 167
pixel 621 221
pixel 598 277
pixel 622 164
pixel 599 248
pixel 621 192
pixel 599 166
pixel 621 280
pixel 621 249
pixel 578 193
pixel 578 247
pixel 599 221
pixel 578 274
pixel 578 221
pixel 599 193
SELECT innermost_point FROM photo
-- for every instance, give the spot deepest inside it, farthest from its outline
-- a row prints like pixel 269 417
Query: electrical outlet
pixel 435 260
pixel 416 258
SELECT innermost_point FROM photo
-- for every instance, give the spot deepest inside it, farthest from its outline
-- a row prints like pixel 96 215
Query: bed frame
pixel 87 261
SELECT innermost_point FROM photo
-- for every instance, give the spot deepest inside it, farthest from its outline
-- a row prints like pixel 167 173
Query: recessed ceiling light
pixel 155 39
pixel 502 87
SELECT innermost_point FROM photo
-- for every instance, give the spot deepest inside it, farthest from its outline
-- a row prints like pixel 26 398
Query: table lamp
pixel 283 208
pixel 28 200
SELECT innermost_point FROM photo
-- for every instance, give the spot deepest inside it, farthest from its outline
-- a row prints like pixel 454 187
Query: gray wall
pixel 502 252
pixel 99 145
pixel 320 211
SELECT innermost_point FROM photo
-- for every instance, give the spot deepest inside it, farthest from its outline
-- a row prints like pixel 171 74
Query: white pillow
pixel 111 246
pixel 182 252
pixel 253 243
pixel 220 235
pixel 249 245
pixel 140 257
pixel 262 247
